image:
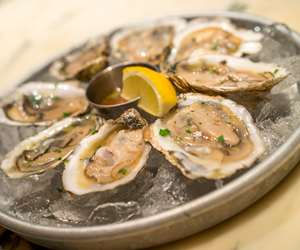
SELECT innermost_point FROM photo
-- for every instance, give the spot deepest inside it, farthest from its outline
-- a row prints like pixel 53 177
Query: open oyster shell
pixel 209 137
pixel 109 158
pixel 50 147
pixel 38 103
pixel 148 42
pixel 83 63
pixel 217 36
pixel 224 74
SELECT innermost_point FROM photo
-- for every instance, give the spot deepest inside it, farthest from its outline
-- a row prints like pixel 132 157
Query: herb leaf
pixel 93 131
pixel 55 98
pixel 164 132
pixel 221 138
pixel 188 130
pixel 123 171
pixel 66 114
pixel 215 45
pixel 274 72
pixel 66 161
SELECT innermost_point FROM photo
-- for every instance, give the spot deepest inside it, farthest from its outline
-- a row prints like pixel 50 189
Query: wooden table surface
pixel 33 31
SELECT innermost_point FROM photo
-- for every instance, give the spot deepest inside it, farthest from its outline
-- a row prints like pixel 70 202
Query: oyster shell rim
pixel 238 110
pixel 178 23
pixel 8 164
pixel 225 24
pixel 240 63
pixel 72 172
pixel 60 86
pixel 101 62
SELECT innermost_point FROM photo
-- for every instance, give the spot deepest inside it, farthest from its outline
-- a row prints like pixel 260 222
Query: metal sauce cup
pixel 107 82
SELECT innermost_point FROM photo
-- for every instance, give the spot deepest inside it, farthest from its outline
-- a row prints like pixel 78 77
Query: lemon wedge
pixel 156 92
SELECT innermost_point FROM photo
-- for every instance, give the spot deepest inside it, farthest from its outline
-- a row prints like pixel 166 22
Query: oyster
pixel 50 147
pixel 209 137
pixel 227 74
pixel 38 103
pixel 218 36
pixel 110 158
pixel 148 42
pixel 84 63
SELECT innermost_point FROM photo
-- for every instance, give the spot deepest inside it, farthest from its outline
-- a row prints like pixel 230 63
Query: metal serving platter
pixel 205 210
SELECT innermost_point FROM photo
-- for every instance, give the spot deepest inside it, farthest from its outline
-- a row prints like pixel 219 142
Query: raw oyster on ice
pixel 148 42
pixel 50 147
pixel 84 63
pixel 109 158
pixel 218 36
pixel 38 103
pixel 209 137
pixel 223 74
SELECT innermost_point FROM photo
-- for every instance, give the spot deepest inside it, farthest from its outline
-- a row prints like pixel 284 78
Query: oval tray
pixel 186 219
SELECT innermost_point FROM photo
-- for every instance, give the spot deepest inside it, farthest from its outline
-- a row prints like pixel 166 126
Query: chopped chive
pixel 55 98
pixel 123 171
pixel 221 138
pixel 215 45
pixel 275 72
pixel 188 130
pixel 213 70
pixel 66 161
pixel 66 114
pixel 93 131
pixel 164 132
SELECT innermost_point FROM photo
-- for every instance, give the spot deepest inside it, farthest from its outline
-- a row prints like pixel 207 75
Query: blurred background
pixel 33 31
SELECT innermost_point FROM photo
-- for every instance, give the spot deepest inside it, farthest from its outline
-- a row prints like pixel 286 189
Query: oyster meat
pixel 209 137
pixel 148 42
pixel 111 157
pixel 218 36
pixel 50 147
pixel 84 63
pixel 227 74
pixel 38 103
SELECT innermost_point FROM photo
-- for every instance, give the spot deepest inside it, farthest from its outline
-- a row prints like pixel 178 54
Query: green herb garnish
pixel 66 161
pixel 74 125
pixel 93 131
pixel 274 72
pixel 123 171
pixel 55 98
pixel 66 114
pixel 59 158
pixel 215 45
pixel 221 138
pixel 213 70
pixel 188 130
pixel 164 132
